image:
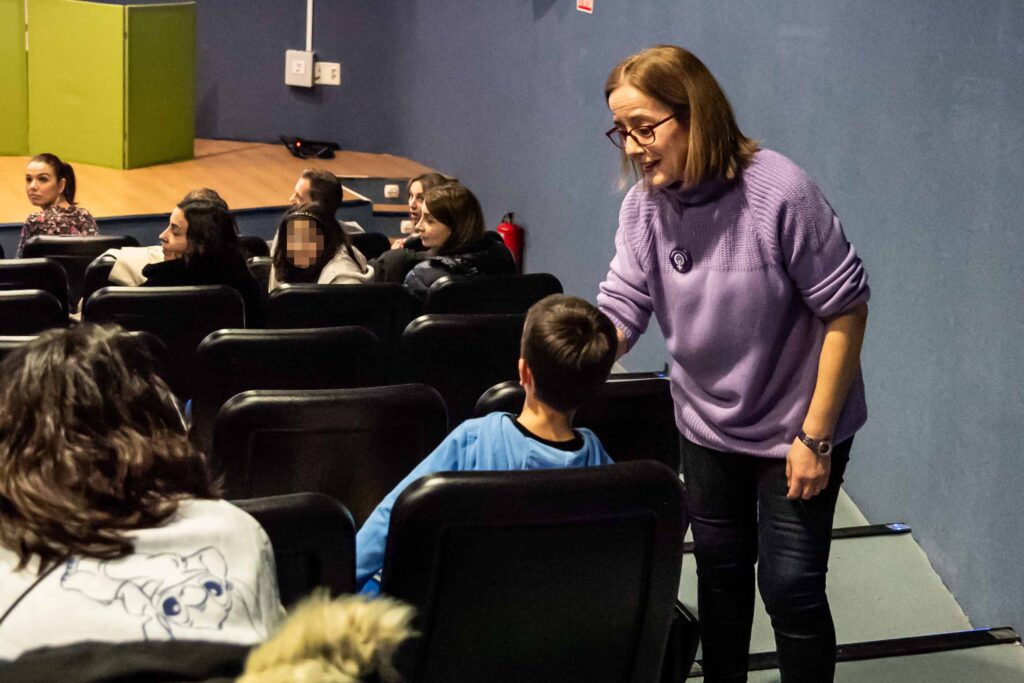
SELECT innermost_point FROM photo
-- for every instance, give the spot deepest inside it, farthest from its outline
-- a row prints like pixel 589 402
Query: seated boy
pixel 567 351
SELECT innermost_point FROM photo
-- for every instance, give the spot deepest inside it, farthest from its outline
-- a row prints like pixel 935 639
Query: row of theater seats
pixel 589 596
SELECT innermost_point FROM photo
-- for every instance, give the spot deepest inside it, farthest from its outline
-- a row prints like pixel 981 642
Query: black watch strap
pixel 821 447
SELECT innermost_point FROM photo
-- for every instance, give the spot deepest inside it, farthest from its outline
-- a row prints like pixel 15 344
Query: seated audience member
pixel 127 269
pixel 452 230
pixel 310 246
pixel 567 351
pixel 321 187
pixel 200 247
pixel 111 528
pixel 416 188
pixel 349 639
pixel 50 185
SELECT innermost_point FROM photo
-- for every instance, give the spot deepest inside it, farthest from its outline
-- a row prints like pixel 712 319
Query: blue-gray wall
pixel 908 115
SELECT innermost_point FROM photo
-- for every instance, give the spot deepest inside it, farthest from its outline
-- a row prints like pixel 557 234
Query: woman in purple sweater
pixel 763 303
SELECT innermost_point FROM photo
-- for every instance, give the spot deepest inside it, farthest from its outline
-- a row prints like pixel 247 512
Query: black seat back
pixel 253 245
pixel 30 311
pixel 35 273
pixel 229 362
pixel 314 542
pixel 545 575
pixel 371 244
pixel 180 317
pixel 383 308
pixel 460 356
pixel 352 444
pixel 97 275
pixel 259 268
pixel 489 293
pixel 634 417
pixel 10 343
pixel 75 254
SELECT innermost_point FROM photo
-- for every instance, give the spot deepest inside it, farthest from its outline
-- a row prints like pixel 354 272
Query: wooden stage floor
pixel 247 174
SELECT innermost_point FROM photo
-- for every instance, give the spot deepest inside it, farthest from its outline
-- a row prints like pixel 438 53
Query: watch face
pixel 824 449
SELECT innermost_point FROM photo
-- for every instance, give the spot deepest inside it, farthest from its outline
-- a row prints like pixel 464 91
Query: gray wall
pixel 907 114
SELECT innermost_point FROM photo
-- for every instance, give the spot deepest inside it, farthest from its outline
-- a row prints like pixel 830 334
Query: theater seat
pixel 180 317
pixel 460 356
pixel 370 244
pixel 634 417
pixel 30 311
pixel 35 273
pixel 74 254
pixel 546 575
pixel 314 542
pixel 383 308
pixel 352 444
pixel 97 275
pixel 253 245
pixel 490 293
pixel 231 361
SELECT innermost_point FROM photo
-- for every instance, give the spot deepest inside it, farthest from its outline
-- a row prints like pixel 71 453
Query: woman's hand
pixel 806 473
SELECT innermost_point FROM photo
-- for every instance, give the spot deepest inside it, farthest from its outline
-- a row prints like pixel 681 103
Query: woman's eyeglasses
pixel 642 135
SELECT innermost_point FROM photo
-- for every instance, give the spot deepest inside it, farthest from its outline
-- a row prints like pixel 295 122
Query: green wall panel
pixel 13 79
pixel 161 68
pixel 76 81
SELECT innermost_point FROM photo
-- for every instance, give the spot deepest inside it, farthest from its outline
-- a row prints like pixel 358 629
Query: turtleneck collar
pixel 698 194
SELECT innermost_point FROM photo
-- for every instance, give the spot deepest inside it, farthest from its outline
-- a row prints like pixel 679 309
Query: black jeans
pixel 739 513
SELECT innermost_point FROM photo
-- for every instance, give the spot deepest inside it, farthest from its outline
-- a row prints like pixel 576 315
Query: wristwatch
pixel 821 447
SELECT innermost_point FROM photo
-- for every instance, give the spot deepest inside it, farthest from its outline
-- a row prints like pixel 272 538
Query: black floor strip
pixel 896 647
pixel 891 529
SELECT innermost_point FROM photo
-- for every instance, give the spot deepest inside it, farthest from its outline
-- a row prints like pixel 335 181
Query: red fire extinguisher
pixel 512 234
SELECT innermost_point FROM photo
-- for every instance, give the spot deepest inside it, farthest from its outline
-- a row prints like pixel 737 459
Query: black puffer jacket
pixel 485 256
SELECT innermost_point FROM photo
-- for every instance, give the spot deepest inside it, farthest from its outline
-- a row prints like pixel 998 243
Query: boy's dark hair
pixel 569 346
pixel 324 189
pixel 91 446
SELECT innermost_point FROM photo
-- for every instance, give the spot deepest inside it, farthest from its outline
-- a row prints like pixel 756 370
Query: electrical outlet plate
pixel 327 73
pixel 391 191
pixel 298 68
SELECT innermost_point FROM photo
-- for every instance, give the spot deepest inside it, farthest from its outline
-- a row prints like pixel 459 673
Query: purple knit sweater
pixel 741 276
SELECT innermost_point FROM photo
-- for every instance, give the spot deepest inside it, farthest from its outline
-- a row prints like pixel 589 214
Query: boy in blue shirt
pixel 567 351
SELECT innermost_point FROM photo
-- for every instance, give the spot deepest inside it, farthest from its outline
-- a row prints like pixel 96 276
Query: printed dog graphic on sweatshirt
pixel 172 594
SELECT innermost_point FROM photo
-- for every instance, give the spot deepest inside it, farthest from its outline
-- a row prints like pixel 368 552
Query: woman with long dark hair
pixel 111 528
pixel 200 247
pixel 50 185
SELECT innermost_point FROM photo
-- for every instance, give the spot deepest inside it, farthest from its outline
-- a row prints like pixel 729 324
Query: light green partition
pixel 160 112
pixel 13 79
pixel 111 85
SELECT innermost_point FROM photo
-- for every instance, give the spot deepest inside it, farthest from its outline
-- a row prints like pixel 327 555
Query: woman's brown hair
pixel 459 209
pixel 91 446
pixel 680 81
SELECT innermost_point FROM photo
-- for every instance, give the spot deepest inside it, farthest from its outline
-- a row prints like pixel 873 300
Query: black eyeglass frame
pixel 621 141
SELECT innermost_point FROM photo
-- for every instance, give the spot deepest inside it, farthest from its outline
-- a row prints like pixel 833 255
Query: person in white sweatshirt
pixel 311 247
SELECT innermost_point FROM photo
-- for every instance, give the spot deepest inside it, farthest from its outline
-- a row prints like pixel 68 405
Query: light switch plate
pixel 298 68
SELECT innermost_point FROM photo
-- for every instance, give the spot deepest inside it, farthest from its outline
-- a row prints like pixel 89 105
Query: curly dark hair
pixel 91 446
pixel 212 235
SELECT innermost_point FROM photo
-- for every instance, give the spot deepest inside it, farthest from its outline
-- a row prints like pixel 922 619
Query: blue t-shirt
pixel 494 442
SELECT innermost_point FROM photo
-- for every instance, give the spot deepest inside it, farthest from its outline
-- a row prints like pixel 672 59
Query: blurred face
pixel 300 195
pixel 41 184
pixel 415 202
pixel 174 239
pixel 305 242
pixel 433 233
pixel 662 161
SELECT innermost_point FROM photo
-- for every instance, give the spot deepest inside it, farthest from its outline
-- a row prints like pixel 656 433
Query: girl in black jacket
pixel 452 230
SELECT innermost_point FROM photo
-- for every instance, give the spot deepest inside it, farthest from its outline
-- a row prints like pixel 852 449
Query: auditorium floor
pixel 880 588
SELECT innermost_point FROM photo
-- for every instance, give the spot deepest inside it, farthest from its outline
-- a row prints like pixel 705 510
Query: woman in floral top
pixel 50 185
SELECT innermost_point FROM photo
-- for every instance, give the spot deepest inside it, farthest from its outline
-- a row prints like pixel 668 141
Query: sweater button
pixel 681 260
